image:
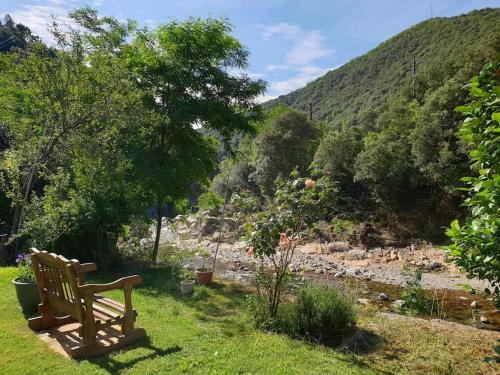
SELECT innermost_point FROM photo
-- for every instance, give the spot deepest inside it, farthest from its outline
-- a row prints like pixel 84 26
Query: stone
pixel 354 271
pixel 462 298
pixel 474 305
pixel 179 218
pixel 436 265
pixel 339 274
pixel 363 301
pixel 383 297
pixel 231 224
pixel 215 236
pixel 484 320
pixel 356 255
pixel 338 246
pixel 210 225
pixel 394 255
pixel 398 304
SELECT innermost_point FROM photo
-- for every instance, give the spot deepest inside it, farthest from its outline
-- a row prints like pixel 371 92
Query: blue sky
pixel 291 41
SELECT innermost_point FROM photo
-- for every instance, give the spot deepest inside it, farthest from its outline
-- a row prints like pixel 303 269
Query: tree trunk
pixel 159 208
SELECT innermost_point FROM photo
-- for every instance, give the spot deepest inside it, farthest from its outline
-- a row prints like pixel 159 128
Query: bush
pixel 323 314
pixel 414 296
pixel 209 200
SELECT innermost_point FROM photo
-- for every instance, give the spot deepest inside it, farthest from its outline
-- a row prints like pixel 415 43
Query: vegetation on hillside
pixel 394 153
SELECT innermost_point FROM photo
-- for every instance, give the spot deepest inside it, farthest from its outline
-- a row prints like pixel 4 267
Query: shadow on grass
pixel 113 365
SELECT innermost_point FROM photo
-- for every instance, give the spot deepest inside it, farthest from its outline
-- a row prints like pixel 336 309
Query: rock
pixel 356 255
pixel 215 236
pixel 363 301
pixel 436 265
pixel 338 246
pixel 191 219
pixel 318 271
pixel 339 274
pixel 463 298
pixel 413 247
pixel 394 255
pixel 179 218
pixel 383 297
pixel 210 224
pixel 484 320
pixel 231 224
pixel 398 304
pixel 474 305
pixel 354 271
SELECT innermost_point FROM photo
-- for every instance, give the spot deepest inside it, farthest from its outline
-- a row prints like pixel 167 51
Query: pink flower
pixel 284 240
pixel 250 251
pixel 310 184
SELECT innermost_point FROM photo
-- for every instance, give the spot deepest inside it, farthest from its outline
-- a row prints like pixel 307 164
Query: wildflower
pixel 310 184
pixel 284 240
pixel 250 251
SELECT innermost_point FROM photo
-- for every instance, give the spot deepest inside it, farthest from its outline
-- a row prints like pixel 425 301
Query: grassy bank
pixel 211 333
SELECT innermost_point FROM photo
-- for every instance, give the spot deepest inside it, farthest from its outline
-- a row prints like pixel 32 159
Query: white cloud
pixel 38 15
pixel 306 47
pixel 301 77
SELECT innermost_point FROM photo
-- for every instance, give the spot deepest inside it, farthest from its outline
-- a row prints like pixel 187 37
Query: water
pixel 452 305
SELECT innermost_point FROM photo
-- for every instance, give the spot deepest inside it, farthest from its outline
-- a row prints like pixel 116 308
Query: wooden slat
pixel 112 304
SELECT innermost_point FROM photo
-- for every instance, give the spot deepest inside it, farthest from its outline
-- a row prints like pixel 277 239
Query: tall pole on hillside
pixel 414 75
pixel 310 111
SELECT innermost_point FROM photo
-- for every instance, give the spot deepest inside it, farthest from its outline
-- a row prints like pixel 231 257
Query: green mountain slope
pixel 441 47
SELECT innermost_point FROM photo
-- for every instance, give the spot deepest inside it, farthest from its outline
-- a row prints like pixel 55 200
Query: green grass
pixel 210 333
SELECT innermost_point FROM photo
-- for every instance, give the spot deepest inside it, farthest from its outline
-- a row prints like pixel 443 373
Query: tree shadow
pixel 362 342
pixel 114 366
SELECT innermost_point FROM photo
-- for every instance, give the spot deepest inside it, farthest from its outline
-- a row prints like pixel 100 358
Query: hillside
pixel 441 47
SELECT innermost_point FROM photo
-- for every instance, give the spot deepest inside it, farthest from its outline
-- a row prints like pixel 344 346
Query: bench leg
pixel 45 320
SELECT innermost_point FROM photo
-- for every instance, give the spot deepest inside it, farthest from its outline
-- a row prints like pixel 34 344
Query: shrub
pixel 414 296
pixel 209 200
pixel 323 314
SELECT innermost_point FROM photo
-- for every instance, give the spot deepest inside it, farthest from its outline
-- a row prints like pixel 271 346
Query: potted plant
pixel 26 289
pixel 204 275
pixel 187 282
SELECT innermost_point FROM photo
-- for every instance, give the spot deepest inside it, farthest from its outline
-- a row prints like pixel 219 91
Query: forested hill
pixel 441 47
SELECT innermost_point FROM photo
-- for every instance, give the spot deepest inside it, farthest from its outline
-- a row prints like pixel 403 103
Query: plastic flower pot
pixel 187 287
pixel 27 295
pixel 204 276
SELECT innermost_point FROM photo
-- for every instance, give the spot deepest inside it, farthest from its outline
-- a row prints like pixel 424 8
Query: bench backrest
pixel 57 281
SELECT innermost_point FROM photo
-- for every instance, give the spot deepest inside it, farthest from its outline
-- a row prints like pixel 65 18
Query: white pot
pixel 187 287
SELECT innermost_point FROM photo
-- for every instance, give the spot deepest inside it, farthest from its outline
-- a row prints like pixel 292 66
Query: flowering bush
pixel 273 237
pixel 24 271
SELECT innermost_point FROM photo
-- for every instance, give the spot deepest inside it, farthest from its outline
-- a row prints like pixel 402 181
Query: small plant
pixel 414 297
pixel 24 271
pixel 323 314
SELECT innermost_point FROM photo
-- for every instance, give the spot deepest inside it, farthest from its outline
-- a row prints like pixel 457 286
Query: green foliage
pixel 287 141
pixel 273 236
pixel 25 273
pixel 336 155
pixel 477 240
pixel 210 200
pixel 13 36
pixel 414 296
pixel 441 47
pixel 323 314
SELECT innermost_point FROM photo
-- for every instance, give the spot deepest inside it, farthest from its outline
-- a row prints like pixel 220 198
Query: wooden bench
pixel 61 283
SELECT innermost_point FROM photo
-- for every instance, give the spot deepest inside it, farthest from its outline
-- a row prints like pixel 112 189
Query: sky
pixel 291 42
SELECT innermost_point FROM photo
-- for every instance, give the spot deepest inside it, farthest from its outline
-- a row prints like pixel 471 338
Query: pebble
pixel 383 297
pixel 363 301
pixel 474 304
pixel 484 320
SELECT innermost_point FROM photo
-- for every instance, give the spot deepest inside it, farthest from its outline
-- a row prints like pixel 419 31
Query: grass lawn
pixel 210 333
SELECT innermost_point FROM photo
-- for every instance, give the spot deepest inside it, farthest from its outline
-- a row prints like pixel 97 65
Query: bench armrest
pixel 87 267
pixel 118 284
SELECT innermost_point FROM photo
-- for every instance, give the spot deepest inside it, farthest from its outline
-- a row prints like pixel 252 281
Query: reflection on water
pixel 453 305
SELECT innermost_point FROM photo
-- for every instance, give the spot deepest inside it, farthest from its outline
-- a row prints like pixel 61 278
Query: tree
pixel 287 141
pixel 476 242
pixel 184 72
pixel 336 155
pixel 13 36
